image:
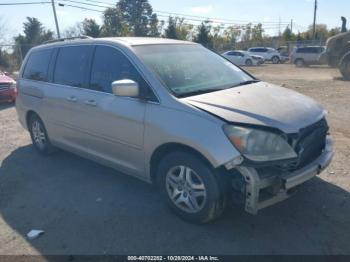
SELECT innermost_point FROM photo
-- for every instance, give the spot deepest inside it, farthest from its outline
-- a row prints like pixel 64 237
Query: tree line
pixel 136 18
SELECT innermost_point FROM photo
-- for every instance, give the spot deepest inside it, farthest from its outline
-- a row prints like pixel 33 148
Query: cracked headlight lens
pixel 259 145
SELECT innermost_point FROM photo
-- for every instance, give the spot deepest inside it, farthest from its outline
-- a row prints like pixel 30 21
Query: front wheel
pixel 191 188
pixel 345 66
pixel 275 60
pixel 248 62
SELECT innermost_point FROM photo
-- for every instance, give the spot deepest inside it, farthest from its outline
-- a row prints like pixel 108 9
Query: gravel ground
pixel 86 208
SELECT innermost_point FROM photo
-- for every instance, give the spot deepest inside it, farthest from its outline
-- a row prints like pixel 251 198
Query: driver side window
pixel 111 65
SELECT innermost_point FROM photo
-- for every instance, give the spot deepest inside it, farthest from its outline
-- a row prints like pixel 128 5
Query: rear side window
pixel 71 65
pixel 111 65
pixel 37 65
pixel 303 50
pixel 300 50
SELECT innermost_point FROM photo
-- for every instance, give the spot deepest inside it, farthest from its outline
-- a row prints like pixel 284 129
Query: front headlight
pixel 13 85
pixel 259 145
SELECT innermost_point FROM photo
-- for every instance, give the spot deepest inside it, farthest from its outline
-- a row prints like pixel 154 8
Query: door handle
pixel 72 99
pixel 91 103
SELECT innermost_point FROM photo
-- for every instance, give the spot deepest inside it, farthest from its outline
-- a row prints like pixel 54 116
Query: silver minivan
pixel 177 115
pixel 304 56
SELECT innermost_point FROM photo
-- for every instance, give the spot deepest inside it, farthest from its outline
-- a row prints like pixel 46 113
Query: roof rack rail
pixel 67 39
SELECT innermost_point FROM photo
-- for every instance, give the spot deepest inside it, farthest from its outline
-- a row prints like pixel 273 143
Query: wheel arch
pixel 342 67
pixel 167 148
pixel 29 114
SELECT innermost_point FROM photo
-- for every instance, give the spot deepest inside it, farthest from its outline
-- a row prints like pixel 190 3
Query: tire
pixel 344 66
pixel 39 135
pixel 248 62
pixel 191 188
pixel 275 60
pixel 299 63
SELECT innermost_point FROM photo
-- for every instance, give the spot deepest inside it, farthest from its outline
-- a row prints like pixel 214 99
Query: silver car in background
pixel 174 114
pixel 242 58
pixel 269 54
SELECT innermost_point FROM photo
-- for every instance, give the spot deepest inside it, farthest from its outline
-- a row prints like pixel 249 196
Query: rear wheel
pixel 345 66
pixel 190 187
pixel 299 63
pixel 248 62
pixel 39 135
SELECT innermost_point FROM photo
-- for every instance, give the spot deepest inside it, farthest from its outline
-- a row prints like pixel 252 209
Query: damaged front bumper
pixel 264 188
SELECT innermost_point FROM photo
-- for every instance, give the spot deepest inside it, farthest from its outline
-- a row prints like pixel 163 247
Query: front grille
pixel 309 144
pixel 4 86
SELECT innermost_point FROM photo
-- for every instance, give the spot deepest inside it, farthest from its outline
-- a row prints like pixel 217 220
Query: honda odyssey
pixel 175 114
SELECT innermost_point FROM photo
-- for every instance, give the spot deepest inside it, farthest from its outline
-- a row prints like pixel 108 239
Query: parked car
pixel 243 58
pixel 8 90
pixel 175 114
pixel 284 53
pixel 310 55
pixel 269 54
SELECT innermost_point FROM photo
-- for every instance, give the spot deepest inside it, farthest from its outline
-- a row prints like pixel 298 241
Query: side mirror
pixel 126 88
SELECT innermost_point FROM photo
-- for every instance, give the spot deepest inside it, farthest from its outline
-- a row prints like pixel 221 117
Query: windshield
pixel 191 69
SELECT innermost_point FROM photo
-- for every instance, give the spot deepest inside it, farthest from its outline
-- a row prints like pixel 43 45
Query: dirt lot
pixel 85 208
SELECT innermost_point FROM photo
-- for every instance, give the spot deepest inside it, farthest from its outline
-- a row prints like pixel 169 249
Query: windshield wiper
pixel 210 90
pixel 248 82
pixel 199 92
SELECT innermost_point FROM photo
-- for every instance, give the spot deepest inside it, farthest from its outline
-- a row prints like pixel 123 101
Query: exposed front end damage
pixel 264 185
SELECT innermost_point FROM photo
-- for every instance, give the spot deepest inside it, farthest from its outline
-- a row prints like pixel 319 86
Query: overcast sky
pixel 269 12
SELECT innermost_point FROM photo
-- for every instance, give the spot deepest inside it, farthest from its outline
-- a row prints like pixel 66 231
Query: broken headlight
pixel 259 145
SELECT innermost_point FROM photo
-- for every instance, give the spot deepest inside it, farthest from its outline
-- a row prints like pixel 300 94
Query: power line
pixel 79 2
pixel 242 27
pixel 219 21
pixel 80 7
pixel 234 21
pixel 25 3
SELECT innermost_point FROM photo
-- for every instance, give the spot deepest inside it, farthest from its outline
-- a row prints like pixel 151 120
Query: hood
pixel 5 79
pixel 261 104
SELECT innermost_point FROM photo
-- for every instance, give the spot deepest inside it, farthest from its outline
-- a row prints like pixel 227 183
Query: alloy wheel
pixel 275 60
pixel 38 133
pixel 186 189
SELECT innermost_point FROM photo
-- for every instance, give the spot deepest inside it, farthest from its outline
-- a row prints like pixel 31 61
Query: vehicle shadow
pixel 340 78
pixel 4 106
pixel 85 208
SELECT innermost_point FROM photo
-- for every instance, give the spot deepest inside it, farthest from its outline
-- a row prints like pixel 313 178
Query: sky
pixel 269 12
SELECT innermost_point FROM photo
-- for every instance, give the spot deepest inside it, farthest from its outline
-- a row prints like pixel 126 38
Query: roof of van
pixel 128 41
pixel 146 40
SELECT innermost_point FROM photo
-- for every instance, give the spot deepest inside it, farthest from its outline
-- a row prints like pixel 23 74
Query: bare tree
pixel 3 31
pixel 73 31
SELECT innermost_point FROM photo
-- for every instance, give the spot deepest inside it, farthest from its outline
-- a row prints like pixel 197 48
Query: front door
pixel 112 127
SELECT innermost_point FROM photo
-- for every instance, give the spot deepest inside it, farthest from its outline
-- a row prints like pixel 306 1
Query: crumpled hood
pixel 261 104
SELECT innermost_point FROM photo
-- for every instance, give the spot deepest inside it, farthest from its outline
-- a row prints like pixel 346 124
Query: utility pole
pixel 56 22
pixel 291 26
pixel 279 27
pixel 314 27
